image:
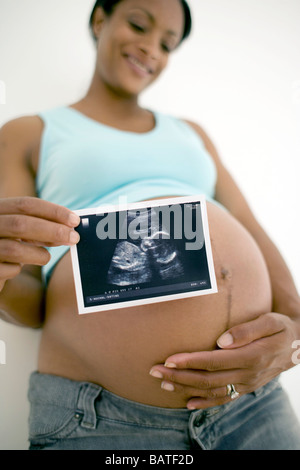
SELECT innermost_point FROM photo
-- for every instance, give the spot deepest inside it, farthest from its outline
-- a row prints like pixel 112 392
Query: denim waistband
pixel 66 414
pixel 91 400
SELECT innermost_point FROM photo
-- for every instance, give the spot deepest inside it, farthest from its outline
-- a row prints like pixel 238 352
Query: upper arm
pixel 227 191
pixel 18 138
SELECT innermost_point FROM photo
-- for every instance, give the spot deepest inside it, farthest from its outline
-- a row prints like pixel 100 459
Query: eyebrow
pixel 152 19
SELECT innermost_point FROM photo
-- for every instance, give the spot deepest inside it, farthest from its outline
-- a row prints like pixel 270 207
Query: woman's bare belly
pixel 117 349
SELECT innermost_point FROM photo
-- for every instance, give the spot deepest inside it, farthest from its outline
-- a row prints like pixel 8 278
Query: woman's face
pixel 135 42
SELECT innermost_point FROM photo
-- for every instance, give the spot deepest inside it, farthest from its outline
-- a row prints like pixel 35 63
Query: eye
pixel 166 48
pixel 137 27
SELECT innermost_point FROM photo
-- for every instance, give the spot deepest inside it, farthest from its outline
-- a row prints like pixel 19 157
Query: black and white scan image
pixel 152 256
pixel 142 254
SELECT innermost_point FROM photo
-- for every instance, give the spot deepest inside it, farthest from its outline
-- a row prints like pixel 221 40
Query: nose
pixel 150 47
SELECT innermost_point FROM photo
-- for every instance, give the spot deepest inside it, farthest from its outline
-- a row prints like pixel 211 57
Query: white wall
pixel 238 76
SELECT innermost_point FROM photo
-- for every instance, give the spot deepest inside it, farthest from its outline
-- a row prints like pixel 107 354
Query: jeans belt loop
pixel 86 404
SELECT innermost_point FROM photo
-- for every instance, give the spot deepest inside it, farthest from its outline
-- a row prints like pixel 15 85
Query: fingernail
pixel 167 386
pixel 170 365
pixel 74 220
pixel 74 238
pixel 225 340
pixel 156 374
pixel 190 407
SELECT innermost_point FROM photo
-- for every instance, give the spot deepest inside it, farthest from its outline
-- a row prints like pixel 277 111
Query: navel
pixel 226 274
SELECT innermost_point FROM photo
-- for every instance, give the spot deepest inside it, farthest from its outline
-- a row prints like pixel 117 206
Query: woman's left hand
pixel 251 355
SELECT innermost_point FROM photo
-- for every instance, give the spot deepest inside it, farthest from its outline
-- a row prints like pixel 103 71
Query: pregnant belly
pixel 117 349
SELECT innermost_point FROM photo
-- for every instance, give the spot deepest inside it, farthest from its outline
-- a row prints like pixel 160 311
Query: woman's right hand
pixel 27 225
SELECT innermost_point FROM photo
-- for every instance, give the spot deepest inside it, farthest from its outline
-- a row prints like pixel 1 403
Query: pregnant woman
pixel 152 376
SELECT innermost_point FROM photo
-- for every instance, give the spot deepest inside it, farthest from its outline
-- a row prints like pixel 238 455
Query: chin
pixel 132 87
pixel 130 91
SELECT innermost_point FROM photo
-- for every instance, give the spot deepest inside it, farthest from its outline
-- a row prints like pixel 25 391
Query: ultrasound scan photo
pixel 141 255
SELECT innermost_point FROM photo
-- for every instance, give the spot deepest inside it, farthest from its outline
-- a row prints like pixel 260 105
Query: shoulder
pixel 21 132
pixel 19 139
pixel 207 141
pixel 19 142
pixel 23 126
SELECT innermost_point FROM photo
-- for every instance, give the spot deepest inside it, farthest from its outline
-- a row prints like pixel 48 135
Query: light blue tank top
pixel 85 164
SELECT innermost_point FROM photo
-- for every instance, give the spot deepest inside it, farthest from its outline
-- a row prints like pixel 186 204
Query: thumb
pixel 245 333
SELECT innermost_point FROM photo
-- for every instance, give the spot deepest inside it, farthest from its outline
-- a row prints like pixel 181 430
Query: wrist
pixel 290 307
pixel 294 315
pixel 297 321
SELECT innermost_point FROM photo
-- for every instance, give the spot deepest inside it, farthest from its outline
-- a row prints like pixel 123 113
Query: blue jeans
pixel 69 415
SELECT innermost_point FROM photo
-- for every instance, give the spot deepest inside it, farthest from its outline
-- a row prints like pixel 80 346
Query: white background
pixel 238 76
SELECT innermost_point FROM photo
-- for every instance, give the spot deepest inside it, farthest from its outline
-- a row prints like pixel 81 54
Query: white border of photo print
pixel 139 232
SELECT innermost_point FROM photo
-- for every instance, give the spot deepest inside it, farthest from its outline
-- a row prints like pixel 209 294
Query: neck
pixel 110 102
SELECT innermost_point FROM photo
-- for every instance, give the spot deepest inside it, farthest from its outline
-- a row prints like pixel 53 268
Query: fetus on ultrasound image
pixel 129 265
pixel 150 253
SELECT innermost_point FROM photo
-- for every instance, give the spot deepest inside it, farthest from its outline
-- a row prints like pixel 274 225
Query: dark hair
pixel 108 7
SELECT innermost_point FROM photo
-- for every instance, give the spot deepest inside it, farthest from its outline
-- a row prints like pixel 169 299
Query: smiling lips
pixel 138 66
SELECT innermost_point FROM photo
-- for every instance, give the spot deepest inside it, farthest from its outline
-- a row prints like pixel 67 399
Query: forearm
pixel 22 301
